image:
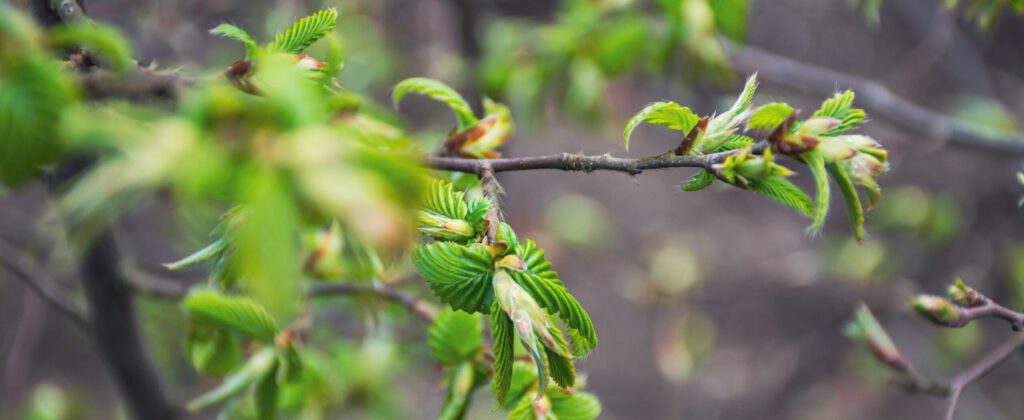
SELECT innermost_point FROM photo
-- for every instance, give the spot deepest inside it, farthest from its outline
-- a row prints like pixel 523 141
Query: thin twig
pixel 879 100
pixel 979 370
pixel 36 278
pixel 416 306
pixel 582 163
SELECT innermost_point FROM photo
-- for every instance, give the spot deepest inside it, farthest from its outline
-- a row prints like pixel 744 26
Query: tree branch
pixel 25 268
pixel 581 163
pixel 416 306
pixel 979 370
pixel 878 99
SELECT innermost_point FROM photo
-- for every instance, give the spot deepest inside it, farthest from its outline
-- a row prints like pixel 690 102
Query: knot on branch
pixel 575 162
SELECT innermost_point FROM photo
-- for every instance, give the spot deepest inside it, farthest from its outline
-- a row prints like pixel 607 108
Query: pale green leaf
pixel 769 116
pixel 305 32
pixel 34 93
pixel 780 190
pixel 235 313
pixel 455 337
pixel 560 368
pixel 459 275
pixel 209 252
pixel 543 284
pixel 233 32
pixel 503 347
pixel 851 201
pixel 839 106
pixel 575 406
pixel 265 392
pixel 733 142
pixel 443 200
pixel 253 370
pixel 816 163
pixel 211 349
pixel 439 92
pixel 724 123
pixel 699 181
pixel 667 114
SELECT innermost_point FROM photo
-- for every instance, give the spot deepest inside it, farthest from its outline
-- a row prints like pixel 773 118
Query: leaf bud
pixel 936 309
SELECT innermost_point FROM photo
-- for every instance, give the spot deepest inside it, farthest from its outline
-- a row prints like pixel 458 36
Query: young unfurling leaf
pixel 769 116
pixel 839 106
pixel 439 92
pixel 816 163
pixel 235 313
pixel 228 30
pixel 255 368
pixel 544 285
pixel 455 337
pixel 446 214
pixel 305 32
pixel 854 210
pixel 667 114
pixel 780 190
pixel 503 347
pixel 459 275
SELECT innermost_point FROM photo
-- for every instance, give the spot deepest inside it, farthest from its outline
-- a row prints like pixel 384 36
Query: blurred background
pixel 709 305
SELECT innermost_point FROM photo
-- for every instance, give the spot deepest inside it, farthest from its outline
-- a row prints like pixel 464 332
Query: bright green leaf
pixel 439 92
pixel 542 282
pixel 769 116
pixel 666 114
pixel 231 31
pixel 459 275
pixel 851 201
pixel 253 370
pixel 455 337
pixel 699 181
pixel 816 163
pixel 503 347
pixel 305 32
pixel 780 190
pixel 236 313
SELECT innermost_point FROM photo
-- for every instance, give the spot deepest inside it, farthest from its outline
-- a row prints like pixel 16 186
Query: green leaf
pixel 455 337
pixel 724 123
pixel 209 252
pixel 769 116
pixel 731 17
pixel 699 181
pixel 575 406
pixel 780 190
pixel 443 200
pixel 34 93
pixel 733 142
pixel 524 379
pixel 666 114
pixel 462 381
pixel 543 284
pixel 816 163
pixel 235 313
pixel 211 349
pixel 839 106
pixel 233 32
pixel 305 32
pixel 253 370
pixel 459 275
pixel 503 347
pixel 439 92
pixel 265 392
pixel 851 201
pixel 106 40
pixel 560 367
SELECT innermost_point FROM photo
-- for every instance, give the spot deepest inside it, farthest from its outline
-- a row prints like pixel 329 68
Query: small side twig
pixel 39 281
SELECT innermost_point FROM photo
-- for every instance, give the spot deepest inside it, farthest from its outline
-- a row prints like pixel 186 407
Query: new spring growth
pixel 438 226
pixel 743 166
pixel 481 140
pixel 964 295
pixel 864 327
pixel 324 260
pixel 936 309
